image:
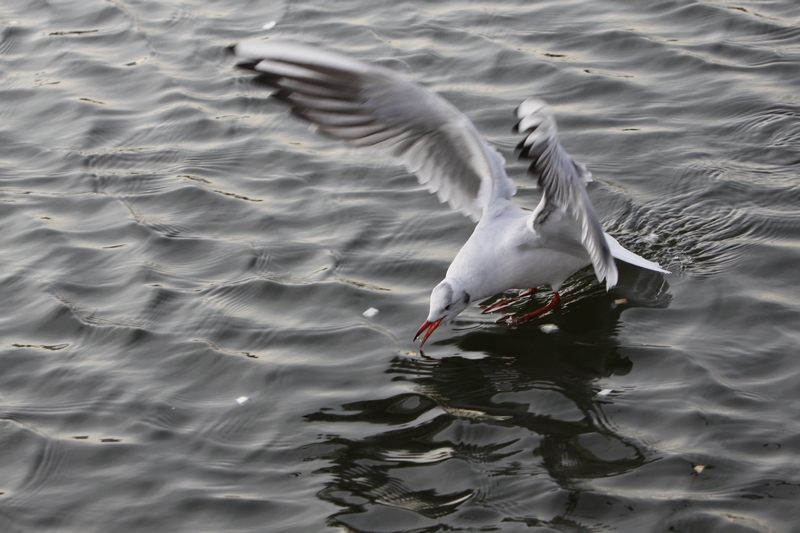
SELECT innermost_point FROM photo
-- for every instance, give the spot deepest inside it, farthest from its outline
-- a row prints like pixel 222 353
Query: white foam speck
pixel 548 328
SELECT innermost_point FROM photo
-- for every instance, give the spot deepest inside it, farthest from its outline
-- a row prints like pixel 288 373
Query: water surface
pixel 173 242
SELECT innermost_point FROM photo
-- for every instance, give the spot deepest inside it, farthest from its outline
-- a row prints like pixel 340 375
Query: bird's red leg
pixel 514 321
pixel 502 304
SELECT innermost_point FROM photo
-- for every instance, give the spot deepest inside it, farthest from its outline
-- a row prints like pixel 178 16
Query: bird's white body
pixel 511 248
pixel 502 253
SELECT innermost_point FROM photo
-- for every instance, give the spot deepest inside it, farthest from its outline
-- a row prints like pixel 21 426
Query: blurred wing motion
pixel 563 182
pixel 368 105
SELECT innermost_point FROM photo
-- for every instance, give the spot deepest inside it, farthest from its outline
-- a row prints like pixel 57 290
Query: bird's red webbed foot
pixel 502 304
pixel 515 321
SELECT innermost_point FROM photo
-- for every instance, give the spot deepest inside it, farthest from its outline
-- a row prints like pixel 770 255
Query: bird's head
pixel 448 299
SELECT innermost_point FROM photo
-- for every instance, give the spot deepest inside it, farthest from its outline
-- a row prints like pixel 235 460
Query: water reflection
pixel 483 441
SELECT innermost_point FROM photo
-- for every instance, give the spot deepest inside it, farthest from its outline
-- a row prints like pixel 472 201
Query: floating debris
pixel 371 312
pixel 269 25
pixel 653 237
pixel 699 468
pixel 548 328
pixel 241 400
pixel 618 302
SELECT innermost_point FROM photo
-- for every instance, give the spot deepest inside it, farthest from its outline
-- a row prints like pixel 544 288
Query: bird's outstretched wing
pixel 563 182
pixel 369 105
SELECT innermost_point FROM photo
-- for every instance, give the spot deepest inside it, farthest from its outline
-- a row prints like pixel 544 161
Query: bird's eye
pixel 466 298
pixel 447 307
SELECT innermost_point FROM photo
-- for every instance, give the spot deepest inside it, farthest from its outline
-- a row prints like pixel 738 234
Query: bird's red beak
pixel 430 327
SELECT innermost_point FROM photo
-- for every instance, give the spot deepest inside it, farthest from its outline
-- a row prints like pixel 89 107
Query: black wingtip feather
pixel 247 65
pixel 527 156
pixel 283 95
pixel 532 152
pixel 267 80
pixel 527 152
pixel 528 131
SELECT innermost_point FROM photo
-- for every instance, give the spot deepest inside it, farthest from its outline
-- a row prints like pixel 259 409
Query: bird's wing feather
pixel 563 182
pixel 369 105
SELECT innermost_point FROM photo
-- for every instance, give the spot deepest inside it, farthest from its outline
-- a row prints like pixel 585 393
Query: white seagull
pixel 511 248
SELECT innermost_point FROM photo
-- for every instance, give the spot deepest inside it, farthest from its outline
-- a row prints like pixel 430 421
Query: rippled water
pixel 172 243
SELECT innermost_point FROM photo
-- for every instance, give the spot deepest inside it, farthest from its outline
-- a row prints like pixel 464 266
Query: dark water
pixel 172 242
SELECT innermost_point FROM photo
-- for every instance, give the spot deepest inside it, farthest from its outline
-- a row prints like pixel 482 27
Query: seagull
pixel 367 105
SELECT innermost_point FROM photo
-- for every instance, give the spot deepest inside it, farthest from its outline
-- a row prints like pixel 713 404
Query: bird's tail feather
pixel 619 252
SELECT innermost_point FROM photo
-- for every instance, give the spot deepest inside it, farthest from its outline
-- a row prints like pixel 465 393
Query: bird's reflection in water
pixel 513 436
